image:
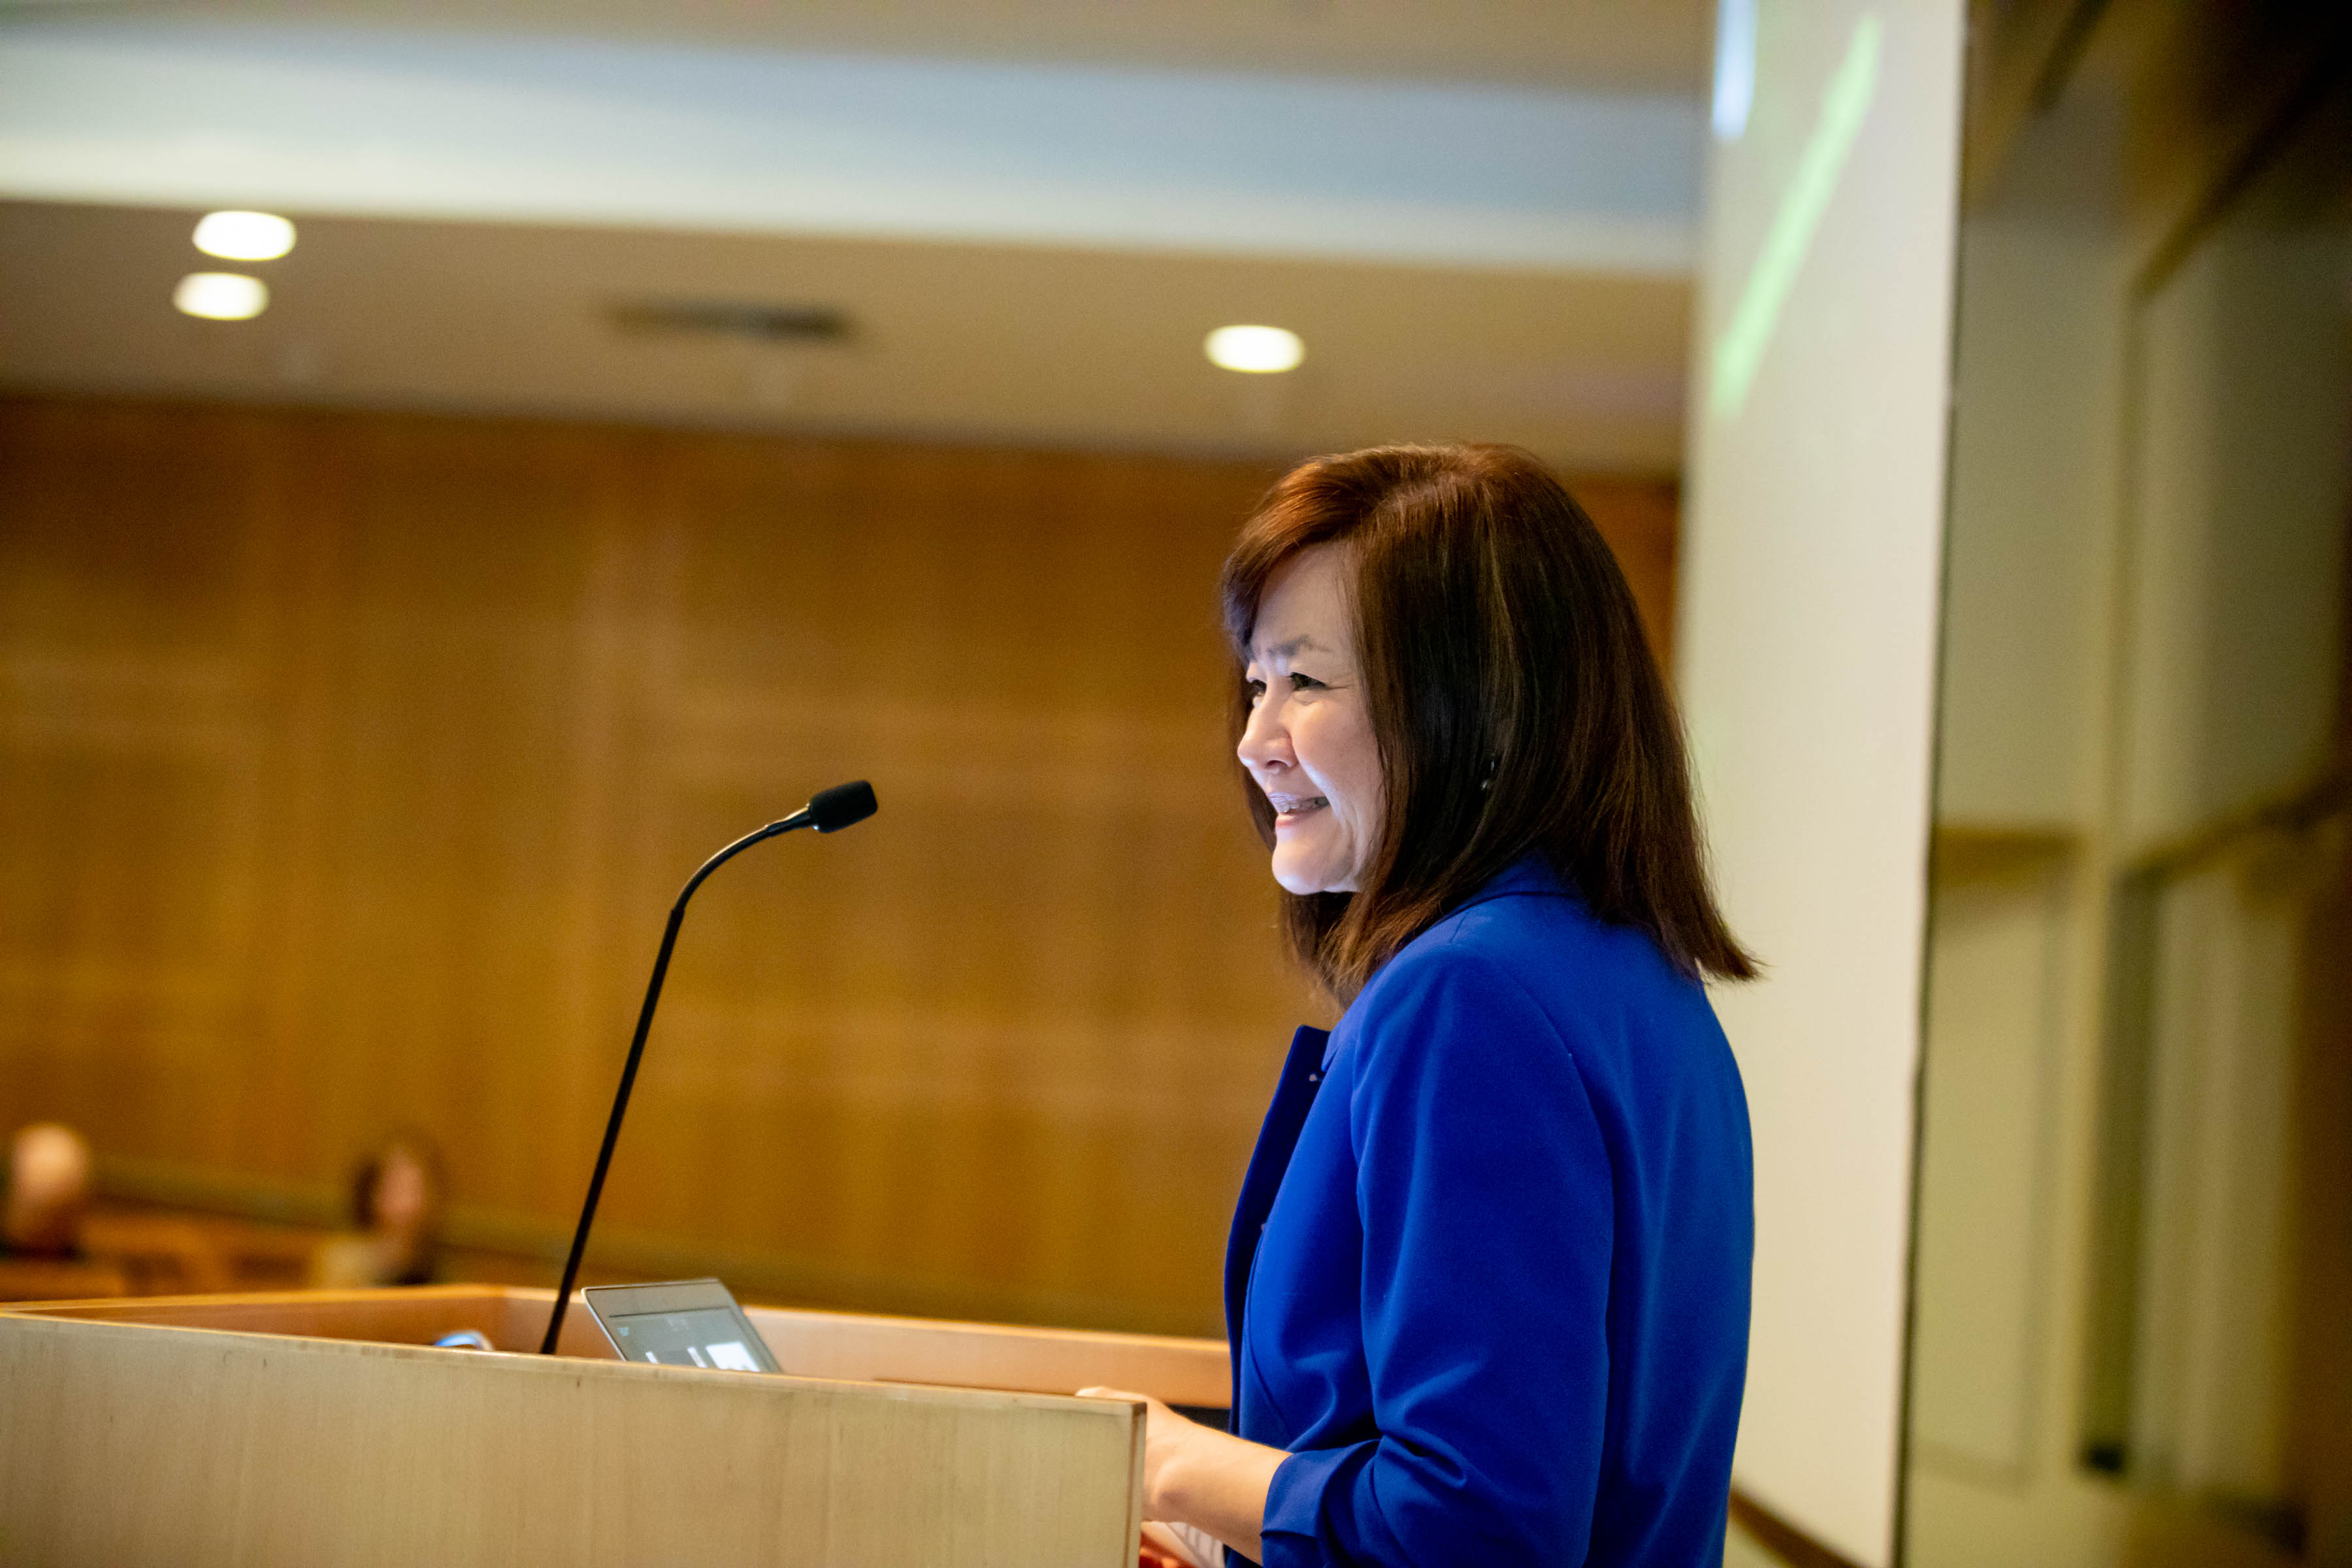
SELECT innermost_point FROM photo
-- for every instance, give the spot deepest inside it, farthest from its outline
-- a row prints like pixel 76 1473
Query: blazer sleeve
pixel 1486 1195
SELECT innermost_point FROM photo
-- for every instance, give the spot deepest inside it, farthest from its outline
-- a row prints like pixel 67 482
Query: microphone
pixel 828 811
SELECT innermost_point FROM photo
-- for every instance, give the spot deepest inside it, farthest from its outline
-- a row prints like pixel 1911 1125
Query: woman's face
pixel 404 1194
pixel 1309 742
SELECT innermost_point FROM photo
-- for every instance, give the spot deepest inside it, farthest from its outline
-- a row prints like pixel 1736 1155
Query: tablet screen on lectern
pixel 682 1323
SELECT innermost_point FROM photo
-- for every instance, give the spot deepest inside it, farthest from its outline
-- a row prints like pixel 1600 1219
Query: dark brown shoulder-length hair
pixel 1514 702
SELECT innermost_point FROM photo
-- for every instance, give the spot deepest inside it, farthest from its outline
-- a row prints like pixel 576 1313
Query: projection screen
pixel 1811 578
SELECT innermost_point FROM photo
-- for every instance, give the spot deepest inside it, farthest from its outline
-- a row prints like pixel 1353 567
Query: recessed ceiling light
pixel 1258 350
pixel 245 237
pixel 221 296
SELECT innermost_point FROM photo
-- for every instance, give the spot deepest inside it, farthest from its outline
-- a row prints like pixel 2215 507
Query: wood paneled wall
pixel 349 762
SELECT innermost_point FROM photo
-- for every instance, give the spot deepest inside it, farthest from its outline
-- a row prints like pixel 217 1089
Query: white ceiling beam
pixel 380 123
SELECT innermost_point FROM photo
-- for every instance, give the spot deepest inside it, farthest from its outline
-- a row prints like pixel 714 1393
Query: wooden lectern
pixel 323 1428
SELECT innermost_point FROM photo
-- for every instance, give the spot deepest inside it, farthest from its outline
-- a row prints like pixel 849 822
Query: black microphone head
pixel 831 810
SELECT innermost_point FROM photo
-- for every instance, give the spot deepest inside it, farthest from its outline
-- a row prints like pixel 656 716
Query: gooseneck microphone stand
pixel 828 811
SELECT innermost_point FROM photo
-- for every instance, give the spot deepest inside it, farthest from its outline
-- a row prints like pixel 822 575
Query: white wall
pixel 1812 559
pixel 2033 479
pixel 2014 1049
pixel 2241 475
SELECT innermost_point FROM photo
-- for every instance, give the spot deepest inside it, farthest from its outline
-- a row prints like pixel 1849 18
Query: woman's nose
pixel 1265 742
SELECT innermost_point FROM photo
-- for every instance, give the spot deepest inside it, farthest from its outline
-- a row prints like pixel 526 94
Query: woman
pixel 1487 1286
pixel 396 1219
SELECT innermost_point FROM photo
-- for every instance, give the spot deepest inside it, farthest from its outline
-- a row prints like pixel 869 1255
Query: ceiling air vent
pixel 724 319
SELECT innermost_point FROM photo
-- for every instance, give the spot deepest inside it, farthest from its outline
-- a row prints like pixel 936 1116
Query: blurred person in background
pixel 47 1192
pixel 396 1198
pixel 1487 1288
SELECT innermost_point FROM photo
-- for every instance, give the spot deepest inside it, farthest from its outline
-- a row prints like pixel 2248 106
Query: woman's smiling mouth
pixel 1291 807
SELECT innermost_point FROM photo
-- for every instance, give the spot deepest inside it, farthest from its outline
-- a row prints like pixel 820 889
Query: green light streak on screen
pixel 1739 352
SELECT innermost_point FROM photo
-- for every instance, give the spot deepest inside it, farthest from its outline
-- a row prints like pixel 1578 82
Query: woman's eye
pixel 1305 683
pixel 1257 689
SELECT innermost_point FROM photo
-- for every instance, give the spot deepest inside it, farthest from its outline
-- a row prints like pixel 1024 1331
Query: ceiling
pixel 1027 345
pixel 322 117
pixel 1480 215
pixel 1611 45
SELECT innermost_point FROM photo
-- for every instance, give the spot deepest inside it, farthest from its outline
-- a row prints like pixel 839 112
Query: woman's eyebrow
pixel 1285 649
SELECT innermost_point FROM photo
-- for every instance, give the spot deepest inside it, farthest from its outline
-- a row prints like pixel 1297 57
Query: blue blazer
pixel 1488 1279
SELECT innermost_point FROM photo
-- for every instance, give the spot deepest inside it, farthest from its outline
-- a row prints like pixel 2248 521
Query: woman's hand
pixel 1196 1475
pixel 1165 1437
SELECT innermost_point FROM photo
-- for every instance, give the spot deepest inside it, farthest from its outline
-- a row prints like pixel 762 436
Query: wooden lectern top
pixel 322 1428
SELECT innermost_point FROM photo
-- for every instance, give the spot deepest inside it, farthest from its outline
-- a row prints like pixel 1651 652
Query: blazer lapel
pixel 1302 1075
